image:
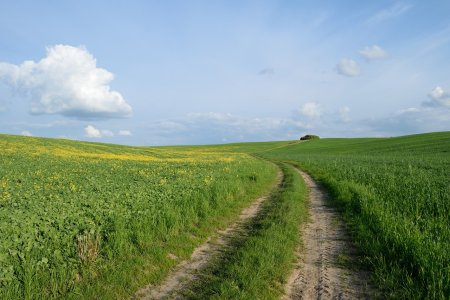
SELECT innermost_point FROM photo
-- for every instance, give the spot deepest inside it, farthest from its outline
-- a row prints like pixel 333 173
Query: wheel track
pixel 323 269
pixel 187 271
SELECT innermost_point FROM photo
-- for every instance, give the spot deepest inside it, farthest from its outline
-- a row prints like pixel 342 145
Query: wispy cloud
pixel 396 10
pixel 373 52
pixel 311 110
pixel 408 121
pixel 433 41
pixel 344 114
pixel 433 115
pixel 67 82
pixel 215 127
pixel 125 133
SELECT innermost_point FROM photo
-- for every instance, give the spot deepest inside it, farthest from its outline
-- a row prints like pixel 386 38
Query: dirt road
pixel 187 270
pixel 325 260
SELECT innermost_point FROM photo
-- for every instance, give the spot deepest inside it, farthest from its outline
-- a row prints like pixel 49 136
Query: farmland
pixel 79 220
pixel 395 194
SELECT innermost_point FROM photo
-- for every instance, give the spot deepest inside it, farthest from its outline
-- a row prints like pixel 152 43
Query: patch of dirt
pixel 324 269
pixel 186 272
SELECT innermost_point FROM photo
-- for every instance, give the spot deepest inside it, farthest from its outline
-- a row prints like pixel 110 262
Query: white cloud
pixel 344 114
pixel 348 67
pixel 408 121
pixel 310 110
pixel 373 52
pixel 67 82
pixel 92 132
pixel 26 133
pixel 214 127
pixel 438 97
pixel 396 10
pixel 409 110
pixel 125 133
pixel 436 93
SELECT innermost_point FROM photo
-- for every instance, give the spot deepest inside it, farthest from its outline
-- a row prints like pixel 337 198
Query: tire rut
pixel 187 271
pixel 323 271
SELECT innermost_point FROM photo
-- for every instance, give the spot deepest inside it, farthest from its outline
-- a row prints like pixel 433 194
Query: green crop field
pixel 86 220
pixel 395 192
pixel 77 218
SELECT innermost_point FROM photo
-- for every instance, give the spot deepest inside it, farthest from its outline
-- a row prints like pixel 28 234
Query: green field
pixel 81 220
pixel 86 220
pixel 395 192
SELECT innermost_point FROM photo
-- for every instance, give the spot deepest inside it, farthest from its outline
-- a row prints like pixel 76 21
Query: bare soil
pixel 187 271
pixel 326 259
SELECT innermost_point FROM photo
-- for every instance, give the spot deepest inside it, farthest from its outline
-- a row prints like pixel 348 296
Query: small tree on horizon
pixel 309 137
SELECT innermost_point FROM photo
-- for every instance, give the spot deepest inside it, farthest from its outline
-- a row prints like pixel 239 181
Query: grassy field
pixel 86 220
pixel 79 220
pixel 395 193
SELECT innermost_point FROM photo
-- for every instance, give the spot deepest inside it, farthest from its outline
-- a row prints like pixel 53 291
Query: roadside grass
pixel 395 195
pixel 87 221
pixel 256 265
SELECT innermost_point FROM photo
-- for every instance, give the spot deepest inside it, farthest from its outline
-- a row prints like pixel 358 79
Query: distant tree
pixel 309 137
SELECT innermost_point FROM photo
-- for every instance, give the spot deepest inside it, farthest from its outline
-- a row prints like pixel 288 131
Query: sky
pixel 205 72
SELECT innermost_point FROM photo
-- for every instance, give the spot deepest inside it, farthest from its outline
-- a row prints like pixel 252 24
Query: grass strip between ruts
pixel 257 264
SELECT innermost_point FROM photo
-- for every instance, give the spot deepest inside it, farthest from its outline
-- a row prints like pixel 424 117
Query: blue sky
pixel 199 72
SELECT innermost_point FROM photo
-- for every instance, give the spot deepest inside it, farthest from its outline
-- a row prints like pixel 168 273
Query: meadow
pixel 395 196
pixel 79 220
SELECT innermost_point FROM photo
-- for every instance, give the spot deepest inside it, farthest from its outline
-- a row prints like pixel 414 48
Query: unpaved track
pixel 186 272
pixel 323 270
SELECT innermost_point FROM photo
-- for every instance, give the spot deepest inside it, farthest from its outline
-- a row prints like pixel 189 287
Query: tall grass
pixel 396 194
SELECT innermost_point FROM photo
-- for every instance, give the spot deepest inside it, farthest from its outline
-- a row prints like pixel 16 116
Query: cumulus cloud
pixel 125 133
pixel 310 110
pixel 92 132
pixel 348 67
pixel 26 133
pixel 436 93
pixel 438 98
pixel 68 82
pixel 373 52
